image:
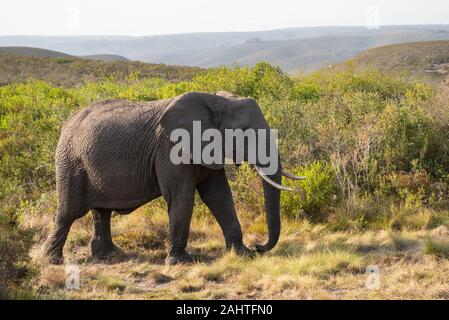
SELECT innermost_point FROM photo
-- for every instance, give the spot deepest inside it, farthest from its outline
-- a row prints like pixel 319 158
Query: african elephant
pixel 114 156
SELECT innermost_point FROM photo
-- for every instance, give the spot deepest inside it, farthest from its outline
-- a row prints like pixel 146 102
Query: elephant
pixel 114 155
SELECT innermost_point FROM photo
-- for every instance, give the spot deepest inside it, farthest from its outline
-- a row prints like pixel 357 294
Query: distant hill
pixel 428 60
pixel 38 52
pixel 104 57
pixel 33 52
pixel 70 71
pixel 296 55
pixel 304 49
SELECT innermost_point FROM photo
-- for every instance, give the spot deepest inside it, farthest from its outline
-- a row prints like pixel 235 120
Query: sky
pixel 150 17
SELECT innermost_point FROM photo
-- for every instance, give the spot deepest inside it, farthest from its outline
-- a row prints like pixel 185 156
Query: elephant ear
pixel 181 113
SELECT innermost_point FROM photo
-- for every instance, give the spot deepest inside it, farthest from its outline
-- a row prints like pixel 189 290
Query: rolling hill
pixel 33 52
pixel 38 52
pixel 294 55
pixel 305 49
pixel 427 60
pixel 104 57
pixel 72 71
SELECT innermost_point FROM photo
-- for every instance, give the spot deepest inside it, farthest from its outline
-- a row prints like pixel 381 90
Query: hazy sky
pixel 146 17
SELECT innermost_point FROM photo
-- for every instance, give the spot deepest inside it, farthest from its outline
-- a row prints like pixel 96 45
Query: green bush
pixel 306 91
pixel 317 193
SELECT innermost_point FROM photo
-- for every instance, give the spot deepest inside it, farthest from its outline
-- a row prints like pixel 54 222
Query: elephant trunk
pixel 272 207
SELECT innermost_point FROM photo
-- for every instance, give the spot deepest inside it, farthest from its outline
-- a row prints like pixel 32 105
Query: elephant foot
pixel 102 250
pixel 241 250
pixel 55 259
pixel 179 258
pixel 53 256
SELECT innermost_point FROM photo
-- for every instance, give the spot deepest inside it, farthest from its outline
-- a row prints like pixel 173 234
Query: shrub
pixel 14 246
pixel 318 192
pixel 306 90
pixel 247 189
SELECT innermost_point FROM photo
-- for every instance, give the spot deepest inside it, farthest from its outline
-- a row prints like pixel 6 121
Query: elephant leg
pixel 101 244
pixel 54 244
pixel 216 194
pixel 70 208
pixel 65 217
pixel 180 215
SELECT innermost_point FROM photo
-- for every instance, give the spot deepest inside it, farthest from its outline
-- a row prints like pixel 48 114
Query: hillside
pixel 70 71
pixel 304 49
pixel 104 57
pixel 429 60
pixel 33 52
pixel 38 52
pixel 293 55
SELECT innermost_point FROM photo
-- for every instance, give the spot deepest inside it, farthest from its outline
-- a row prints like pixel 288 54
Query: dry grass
pixel 308 263
pixel 437 248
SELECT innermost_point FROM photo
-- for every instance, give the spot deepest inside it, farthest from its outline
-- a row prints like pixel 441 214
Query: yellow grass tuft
pixel 438 248
pixel 111 283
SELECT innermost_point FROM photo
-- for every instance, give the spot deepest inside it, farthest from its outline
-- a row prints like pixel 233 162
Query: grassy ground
pixel 309 262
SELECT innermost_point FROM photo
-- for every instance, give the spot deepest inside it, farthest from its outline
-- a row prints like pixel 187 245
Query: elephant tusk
pixel 271 182
pixel 292 176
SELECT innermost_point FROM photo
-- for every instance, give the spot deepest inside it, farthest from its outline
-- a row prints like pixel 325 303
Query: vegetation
pixel 374 149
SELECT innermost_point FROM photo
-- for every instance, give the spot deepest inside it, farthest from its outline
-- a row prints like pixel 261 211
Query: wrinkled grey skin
pixel 115 156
